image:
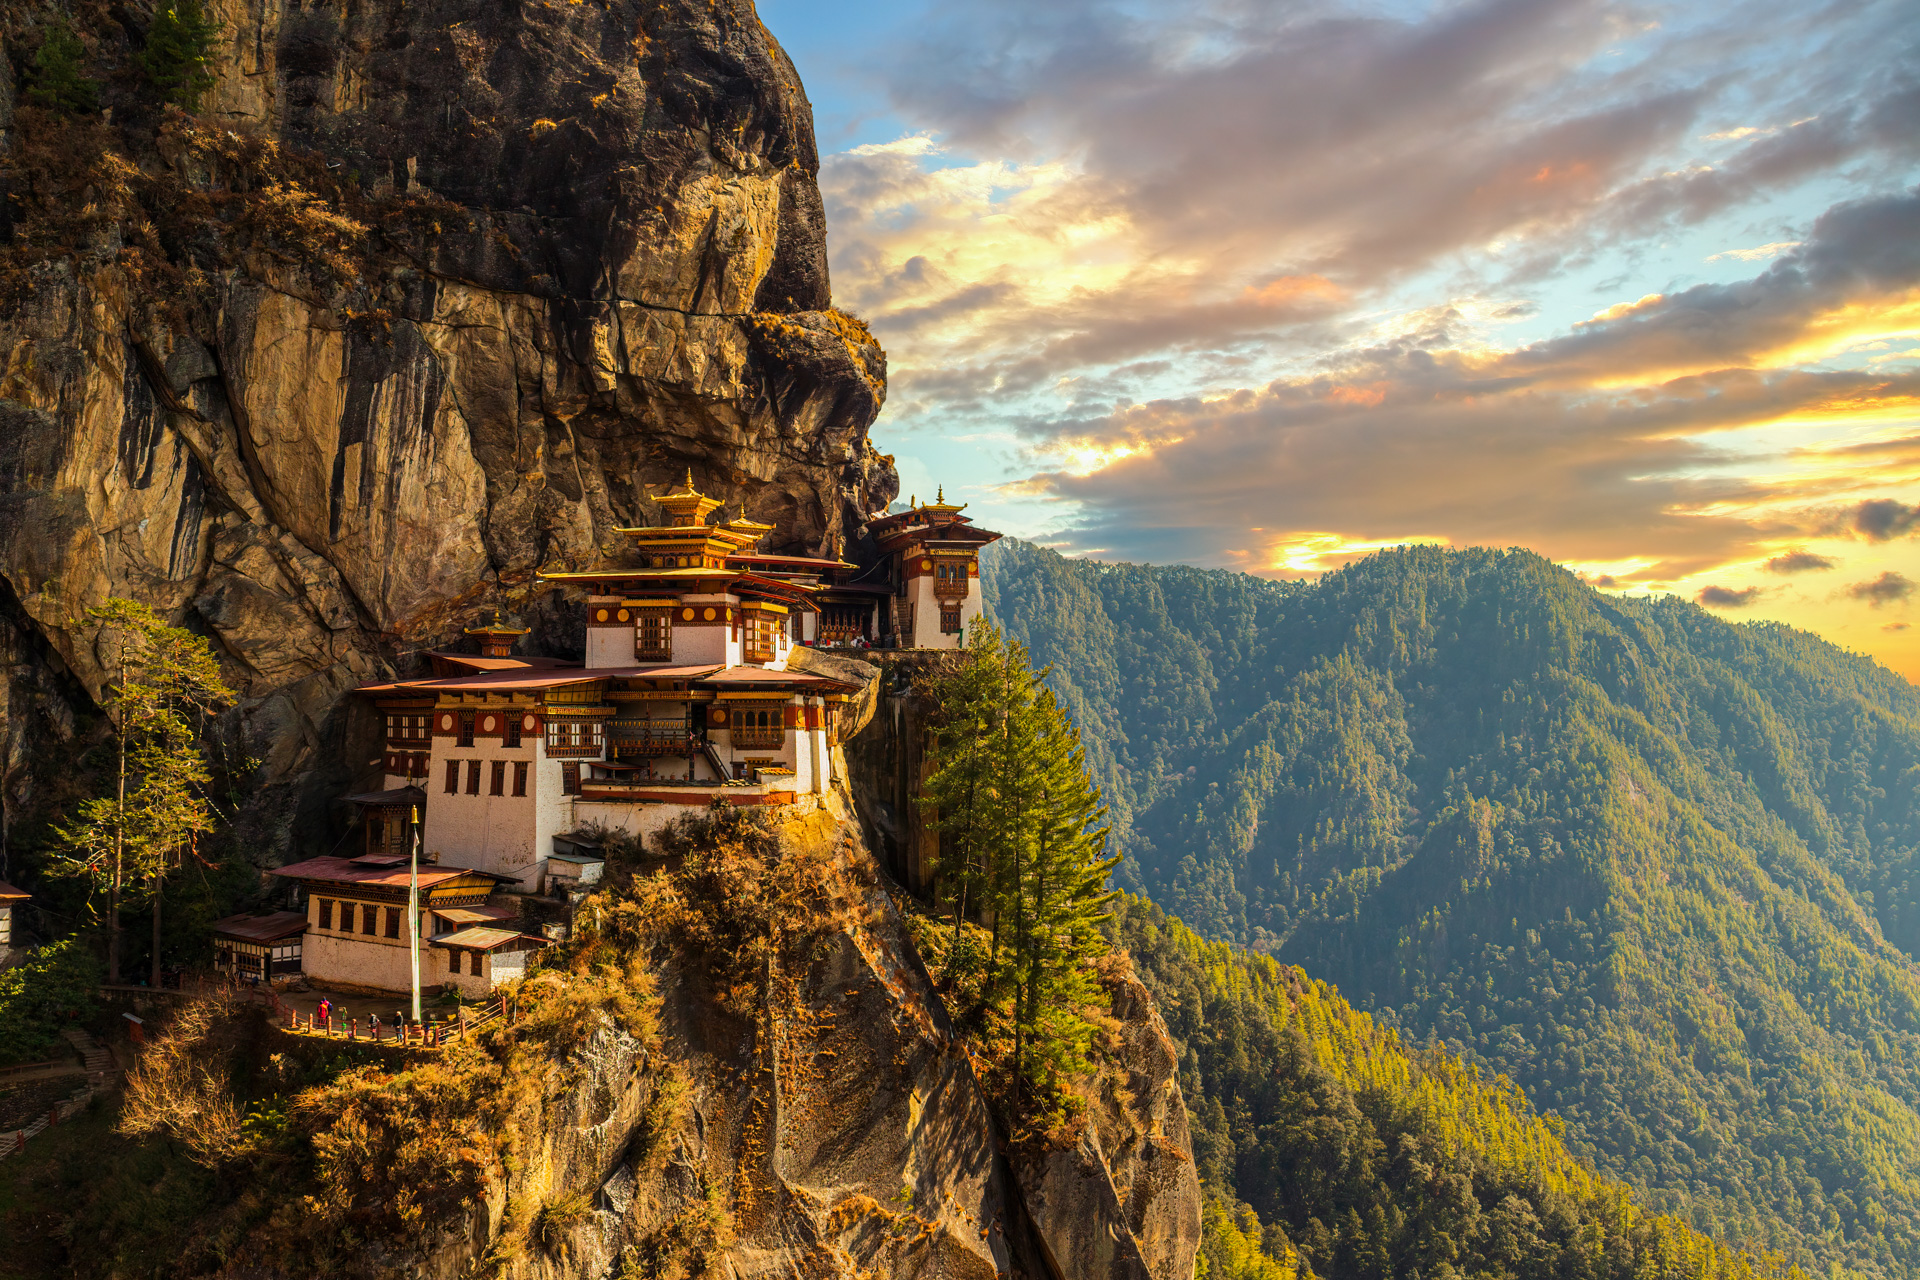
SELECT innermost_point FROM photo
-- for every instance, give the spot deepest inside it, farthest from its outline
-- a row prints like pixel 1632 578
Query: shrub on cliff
pixel 57 82
pixel 178 57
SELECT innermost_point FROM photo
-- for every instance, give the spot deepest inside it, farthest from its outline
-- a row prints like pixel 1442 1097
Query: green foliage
pixel 1662 871
pixel 165 684
pixel 58 82
pixel 178 57
pixel 1023 842
pixel 59 986
pixel 1231 1247
pixel 1370 1159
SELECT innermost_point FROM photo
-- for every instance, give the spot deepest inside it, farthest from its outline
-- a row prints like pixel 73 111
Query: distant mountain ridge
pixel 1658 868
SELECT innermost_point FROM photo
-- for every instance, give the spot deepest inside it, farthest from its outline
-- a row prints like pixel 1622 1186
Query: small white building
pixel 356 934
pixel 10 898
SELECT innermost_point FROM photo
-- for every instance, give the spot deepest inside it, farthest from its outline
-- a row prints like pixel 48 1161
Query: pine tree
pixel 1059 901
pixel 178 58
pixel 163 683
pixel 57 82
pixel 1023 846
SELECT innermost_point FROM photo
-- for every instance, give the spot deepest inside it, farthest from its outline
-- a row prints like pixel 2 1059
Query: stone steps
pixel 99 1063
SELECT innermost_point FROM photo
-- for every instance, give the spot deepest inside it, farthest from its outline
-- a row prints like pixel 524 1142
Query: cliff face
pixel 424 300
pixel 811 1112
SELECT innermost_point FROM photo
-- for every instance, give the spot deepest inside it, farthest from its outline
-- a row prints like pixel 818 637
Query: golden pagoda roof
pixel 498 627
pixel 940 502
pixel 742 524
pixel 689 501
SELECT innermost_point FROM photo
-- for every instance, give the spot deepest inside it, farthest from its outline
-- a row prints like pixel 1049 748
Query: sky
pixel 1268 286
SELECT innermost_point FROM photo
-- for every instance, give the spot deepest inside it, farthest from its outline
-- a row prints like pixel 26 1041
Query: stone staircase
pixel 99 1063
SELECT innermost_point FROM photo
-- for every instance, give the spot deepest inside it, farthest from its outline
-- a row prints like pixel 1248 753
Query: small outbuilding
pixel 259 948
pixel 10 898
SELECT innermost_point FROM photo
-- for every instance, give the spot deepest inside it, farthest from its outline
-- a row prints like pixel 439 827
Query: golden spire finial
pixel 940 495
pixel 689 479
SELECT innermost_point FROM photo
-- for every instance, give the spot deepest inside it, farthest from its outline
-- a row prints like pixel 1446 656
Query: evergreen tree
pixel 57 83
pixel 178 58
pixel 1023 847
pixel 163 684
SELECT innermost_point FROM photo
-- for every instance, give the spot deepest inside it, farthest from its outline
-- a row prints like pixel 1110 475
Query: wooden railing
pixel 469 1020
pixel 652 737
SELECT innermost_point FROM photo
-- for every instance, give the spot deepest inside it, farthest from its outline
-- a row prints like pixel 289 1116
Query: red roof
pixel 267 928
pixel 475 662
pixel 482 682
pixel 760 675
pixel 756 558
pixel 10 894
pixel 353 871
pixel 476 938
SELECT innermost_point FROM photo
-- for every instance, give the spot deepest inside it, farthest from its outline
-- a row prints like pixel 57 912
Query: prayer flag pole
pixel 413 912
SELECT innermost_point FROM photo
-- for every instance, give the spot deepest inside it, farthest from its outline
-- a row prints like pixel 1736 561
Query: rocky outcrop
pixel 427 298
pixel 1132 1167
pixel 833 1126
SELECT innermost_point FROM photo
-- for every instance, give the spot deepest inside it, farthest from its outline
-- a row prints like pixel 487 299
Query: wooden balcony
pixel 652 738
pixel 759 737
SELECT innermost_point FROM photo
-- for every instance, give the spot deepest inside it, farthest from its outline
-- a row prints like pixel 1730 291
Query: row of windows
pixel 453 961
pixel 510 730
pixel 370 918
pixel 410 728
pixel 498 783
pixel 755 728
pixel 580 739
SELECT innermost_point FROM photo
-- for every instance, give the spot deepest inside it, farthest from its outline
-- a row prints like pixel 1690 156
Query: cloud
pixel 1884 519
pixel 1896 626
pixel 1157 167
pixel 1888 588
pixel 1270 285
pixel 1758 254
pixel 1727 597
pixel 1799 562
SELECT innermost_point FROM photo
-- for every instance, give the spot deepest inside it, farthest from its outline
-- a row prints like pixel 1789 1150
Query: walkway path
pixel 99 1063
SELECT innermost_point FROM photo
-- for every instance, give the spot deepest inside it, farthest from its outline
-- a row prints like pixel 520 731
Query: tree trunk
pixel 158 885
pixel 119 835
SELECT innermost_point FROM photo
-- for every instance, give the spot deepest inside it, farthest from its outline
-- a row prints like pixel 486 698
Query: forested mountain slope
pixel 1332 1148
pixel 1658 868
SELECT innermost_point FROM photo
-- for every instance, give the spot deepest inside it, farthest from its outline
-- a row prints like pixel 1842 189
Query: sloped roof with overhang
pixel 381 872
pixel 388 799
pixel 742 677
pixel 271 927
pixel 480 938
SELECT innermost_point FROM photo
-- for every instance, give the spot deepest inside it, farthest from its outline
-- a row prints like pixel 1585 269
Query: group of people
pixel 326 1011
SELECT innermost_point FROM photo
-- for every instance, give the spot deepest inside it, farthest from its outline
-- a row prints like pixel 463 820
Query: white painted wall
pixel 334 955
pixel 700 641
pixel 507 834
pixel 608 646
